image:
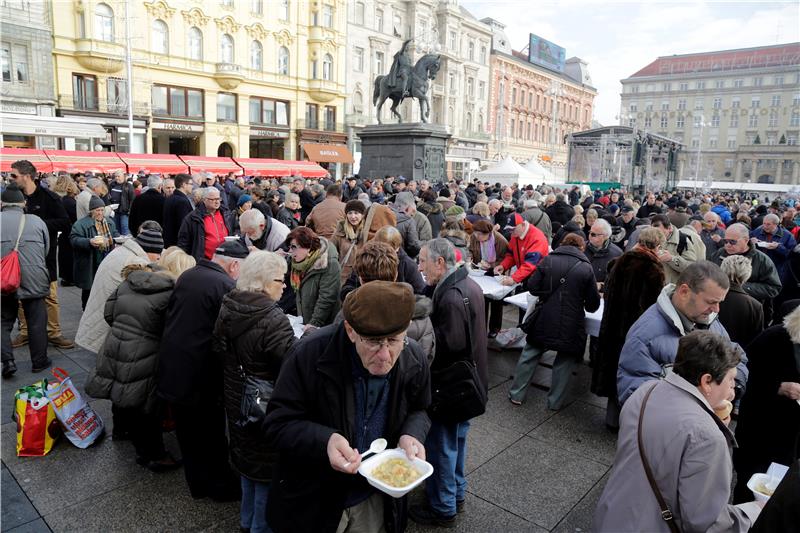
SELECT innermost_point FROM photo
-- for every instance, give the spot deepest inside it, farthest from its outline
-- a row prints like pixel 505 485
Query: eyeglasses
pixel 393 343
pixel 730 241
pixel 593 234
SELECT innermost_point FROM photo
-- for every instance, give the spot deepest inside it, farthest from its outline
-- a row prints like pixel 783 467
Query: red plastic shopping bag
pixel 37 426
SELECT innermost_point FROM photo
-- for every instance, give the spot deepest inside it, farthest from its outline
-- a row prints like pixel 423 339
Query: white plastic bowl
pixel 758 479
pixel 366 468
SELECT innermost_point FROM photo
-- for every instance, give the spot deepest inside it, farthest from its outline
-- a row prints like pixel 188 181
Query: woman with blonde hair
pixel 68 190
pixel 126 365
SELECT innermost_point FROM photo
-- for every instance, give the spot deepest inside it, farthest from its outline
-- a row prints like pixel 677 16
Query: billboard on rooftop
pixel 543 52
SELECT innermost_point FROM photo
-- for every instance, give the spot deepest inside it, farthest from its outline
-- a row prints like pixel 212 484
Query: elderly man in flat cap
pixel 340 388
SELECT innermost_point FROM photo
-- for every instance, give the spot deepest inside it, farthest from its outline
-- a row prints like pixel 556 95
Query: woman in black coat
pixel 67 189
pixel 633 284
pixel 741 314
pixel 768 428
pixel 252 334
pixel 564 282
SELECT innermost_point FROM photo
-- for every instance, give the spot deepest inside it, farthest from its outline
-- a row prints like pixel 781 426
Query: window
pixel 283 12
pixel 269 111
pixel 664 121
pixel 15 63
pixel 513 96
pixel 736 102
pixel 648 106
pixel 664 106
pixel 683 86
pixel 732 142
pixel 772 139
pixel 471 87
pixel 513 129
pixel 84 92
pixel 471 50
pixel 698 121
pixel 717 103
pixel 715 121
pixel 256 56
pixel 682 104
pixel 360 9
pixel 666 87
pixel 700 85
pixel 481 89
pixel 327 16
pixel 453 42
pixel 752 121
pixel 719 84
pixel 177 101
pixel 226 51
pixel 313 67
pixel 791 138
pixel 379 62
pixel 695 142
pixel 398 24
pixel 776 100
pixel 312 113
pixel 358 55
pixel 796 100
pixel 468 122
pixel 795 120
pixel 358 102
pixel 483 53
pixel 6 61
pixel 633 107
pixel 257 7
pixel 226 107
pixel 698 103
pixel 737 84
pixel 778 80
pixel 160 37
pixel 195 38
pixel 227 3
pixel 117 95
pixel 755 102
pixel 758 81
pixel 712 142
pixel 635 89
pixel 648 121
pixel 773 118
pixel 283 61
pixel 734 120
pixel 330 118
pixel 679 122
pixel 327 67
pixel 379 20
pixel 103 23
pixel 530 99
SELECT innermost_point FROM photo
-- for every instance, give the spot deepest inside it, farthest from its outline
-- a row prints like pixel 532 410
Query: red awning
pixel 265 168
pixel 215 165
pixel 308 169
pixel 37 157
pixel 75 161
pixel 154 163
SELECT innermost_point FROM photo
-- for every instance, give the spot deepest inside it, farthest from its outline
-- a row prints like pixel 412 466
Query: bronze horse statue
pixel 423 71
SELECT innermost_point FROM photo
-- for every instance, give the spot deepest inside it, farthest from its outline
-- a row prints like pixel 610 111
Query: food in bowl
pixel 396 473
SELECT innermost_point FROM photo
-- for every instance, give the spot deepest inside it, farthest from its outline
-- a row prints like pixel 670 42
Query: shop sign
pixel 177 126
pixel 13 107
pixel 258 132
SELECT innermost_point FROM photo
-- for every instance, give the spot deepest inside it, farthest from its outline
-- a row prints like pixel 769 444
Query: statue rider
pixel 398 76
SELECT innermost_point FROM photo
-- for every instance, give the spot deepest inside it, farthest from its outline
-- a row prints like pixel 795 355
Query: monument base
pixel 415 151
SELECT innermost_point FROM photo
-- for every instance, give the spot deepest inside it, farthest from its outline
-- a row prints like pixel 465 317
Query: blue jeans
pixel 253 514
pixel 121 221
pixel 446 450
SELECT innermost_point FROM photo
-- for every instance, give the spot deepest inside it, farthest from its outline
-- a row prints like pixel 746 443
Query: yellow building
pixel 242 78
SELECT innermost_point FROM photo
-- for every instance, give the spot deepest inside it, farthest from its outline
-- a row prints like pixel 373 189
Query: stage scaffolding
pixel 637 159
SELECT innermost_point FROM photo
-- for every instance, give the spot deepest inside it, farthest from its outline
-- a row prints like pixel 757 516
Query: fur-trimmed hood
pixel 792 325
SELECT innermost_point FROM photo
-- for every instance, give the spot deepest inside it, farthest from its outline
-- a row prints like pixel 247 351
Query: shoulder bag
pixel 256 393
pixel 458 394
pixel 666 514
pixel 10 275
pixel 530 320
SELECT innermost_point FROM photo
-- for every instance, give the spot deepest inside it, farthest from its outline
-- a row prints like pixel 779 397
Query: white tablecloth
pixel 297 325
pixel 524 299
pixel 491 287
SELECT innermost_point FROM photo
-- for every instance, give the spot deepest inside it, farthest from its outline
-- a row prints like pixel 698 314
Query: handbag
pixel 459 395
pixel 666 514
pixel 256 393
pixel 10 275
pixel 529 323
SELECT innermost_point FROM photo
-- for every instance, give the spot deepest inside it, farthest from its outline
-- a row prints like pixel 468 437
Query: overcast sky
pixel 618 38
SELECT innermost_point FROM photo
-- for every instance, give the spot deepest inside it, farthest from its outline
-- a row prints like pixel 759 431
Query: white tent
pixel 506 172
pixel 541 174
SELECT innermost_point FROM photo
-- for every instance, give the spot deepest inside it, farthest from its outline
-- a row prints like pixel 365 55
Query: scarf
pixel 595 249
pixel 101 226
pixel 299 270
pixel 488 252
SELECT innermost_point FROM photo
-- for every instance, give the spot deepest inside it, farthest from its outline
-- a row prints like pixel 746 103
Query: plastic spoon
pixel 377 446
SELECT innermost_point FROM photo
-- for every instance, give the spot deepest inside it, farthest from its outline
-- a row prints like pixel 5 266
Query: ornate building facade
pixel 243 78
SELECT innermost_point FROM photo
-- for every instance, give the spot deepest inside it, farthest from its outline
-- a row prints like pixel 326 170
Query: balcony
pixel 100 56
pixel 228 75
pixel 323 90
pixel 67 102
pixel 320 125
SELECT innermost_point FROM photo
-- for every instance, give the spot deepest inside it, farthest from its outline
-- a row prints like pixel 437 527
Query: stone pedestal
pixel 415 151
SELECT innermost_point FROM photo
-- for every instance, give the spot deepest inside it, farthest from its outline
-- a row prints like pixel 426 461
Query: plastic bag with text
pixel 82 425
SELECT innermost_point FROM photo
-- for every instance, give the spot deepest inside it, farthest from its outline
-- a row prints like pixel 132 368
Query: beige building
pixel 242 78
pixel 737 112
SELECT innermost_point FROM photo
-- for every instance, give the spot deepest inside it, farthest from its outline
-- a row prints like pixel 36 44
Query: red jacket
pixel 526 253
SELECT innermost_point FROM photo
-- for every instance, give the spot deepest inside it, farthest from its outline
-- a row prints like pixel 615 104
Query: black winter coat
pixel 313 399
pixel 147 206
pixel 742 315
pixel 188 372
pixel 560 212
pixel 192 235
pixel 569 227
pixel 561 325
pixel 632 285
pixel 435 214
pixel 601 258
pixel 126 366
pixel 176 208
pixel 408 272
pixel 47 205
pixel 253 332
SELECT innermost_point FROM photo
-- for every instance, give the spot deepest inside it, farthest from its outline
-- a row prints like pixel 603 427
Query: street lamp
pixel 554 91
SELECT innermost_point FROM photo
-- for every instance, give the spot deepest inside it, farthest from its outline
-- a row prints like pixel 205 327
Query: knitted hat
pixel 355 205
pixel 95 202
pixel 366 311
pixel 243 199
pixel 454 211
pixel 150 241
pixel 12 195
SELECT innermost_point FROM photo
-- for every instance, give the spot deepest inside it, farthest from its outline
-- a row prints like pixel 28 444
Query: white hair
pixel 740 229
pixel 738 268
pixel 772 217
pixel 404 200
pixel 260 268
pixel 154 182
pixel 531 203
pixel 251 219
pixel 208 190
pixel 603 224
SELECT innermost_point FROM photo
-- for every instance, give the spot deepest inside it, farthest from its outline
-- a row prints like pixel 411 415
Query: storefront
pixel 269 143
pixel 115 139
pixel 30 131
pixel 332 157
pixel 464 158
pixel 177 137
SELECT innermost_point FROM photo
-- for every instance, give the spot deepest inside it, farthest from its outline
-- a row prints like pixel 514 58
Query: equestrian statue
pixel 406 81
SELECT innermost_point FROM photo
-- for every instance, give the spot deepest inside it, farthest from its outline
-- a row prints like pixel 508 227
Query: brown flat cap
pixel 379 308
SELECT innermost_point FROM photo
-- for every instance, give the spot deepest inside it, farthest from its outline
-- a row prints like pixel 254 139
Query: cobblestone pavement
pixel 529 469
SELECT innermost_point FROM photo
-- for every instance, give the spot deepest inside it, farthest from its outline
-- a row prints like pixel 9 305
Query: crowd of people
pixel 193 285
